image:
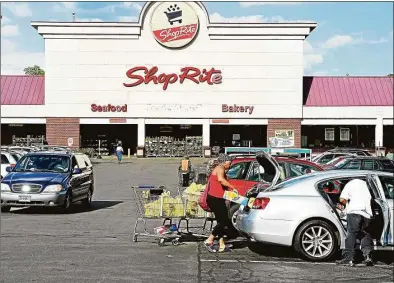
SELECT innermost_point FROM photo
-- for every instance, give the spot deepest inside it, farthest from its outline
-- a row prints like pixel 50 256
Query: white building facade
pixel 174 67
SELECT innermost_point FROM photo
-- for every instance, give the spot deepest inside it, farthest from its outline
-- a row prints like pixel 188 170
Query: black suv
pixel 48 179
pixel 366 163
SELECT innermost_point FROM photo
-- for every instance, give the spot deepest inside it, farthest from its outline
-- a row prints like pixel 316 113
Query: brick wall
pixel 58 130
pixel 285 124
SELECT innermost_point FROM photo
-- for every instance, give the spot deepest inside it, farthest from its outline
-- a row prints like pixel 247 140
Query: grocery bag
pixel 203 198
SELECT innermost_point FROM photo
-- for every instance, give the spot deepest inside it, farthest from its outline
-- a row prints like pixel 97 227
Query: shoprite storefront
pixel 174 75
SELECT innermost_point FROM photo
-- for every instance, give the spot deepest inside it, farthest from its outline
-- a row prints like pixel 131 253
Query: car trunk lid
pixel 271 168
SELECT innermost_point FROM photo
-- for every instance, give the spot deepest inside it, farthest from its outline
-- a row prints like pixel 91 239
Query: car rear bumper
pixel 263 230
pixel 13 199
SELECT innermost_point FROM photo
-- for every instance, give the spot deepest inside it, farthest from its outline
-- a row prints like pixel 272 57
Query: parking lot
pixel 45 245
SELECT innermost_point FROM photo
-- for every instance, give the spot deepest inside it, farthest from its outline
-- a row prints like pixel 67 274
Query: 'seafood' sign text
pixel 140 74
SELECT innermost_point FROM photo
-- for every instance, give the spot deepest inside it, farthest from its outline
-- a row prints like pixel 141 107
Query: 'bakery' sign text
pixel 234 108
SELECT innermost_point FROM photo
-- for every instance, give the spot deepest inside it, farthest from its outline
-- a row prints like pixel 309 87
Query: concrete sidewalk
pixel 133 159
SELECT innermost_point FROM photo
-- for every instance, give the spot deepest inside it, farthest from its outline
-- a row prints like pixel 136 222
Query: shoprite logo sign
pixel 174 24
pixel 141 74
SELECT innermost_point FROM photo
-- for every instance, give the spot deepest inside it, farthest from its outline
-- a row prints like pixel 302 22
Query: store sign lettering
pixel 237 109
pixel 193 74
pixel 176 33
pixel 108 108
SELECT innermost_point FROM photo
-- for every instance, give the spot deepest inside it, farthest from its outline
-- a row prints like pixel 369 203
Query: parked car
pixel 328 156
pixel 301 212
pixel 48 179
pixel 356 151
pixel 365 163
pixel 332 163
pixel 6 160
pixel 245 172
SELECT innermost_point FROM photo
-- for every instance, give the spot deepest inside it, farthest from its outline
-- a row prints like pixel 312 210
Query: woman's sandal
pixel 210 247
pixel 226 249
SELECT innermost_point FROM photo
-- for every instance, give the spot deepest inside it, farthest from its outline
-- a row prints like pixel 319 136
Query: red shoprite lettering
pixel 175 33
pixel 108 108
pixel 193 74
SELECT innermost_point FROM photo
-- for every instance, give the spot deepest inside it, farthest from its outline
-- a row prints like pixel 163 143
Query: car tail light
pixel 260 203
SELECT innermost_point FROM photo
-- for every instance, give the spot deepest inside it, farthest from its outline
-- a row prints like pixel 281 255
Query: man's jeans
pixel 357 228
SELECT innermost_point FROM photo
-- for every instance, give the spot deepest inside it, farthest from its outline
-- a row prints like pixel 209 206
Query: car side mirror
pixel 8 169
pixel 77 171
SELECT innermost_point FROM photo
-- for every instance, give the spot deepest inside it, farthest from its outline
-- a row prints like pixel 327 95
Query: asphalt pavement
pixel 45 245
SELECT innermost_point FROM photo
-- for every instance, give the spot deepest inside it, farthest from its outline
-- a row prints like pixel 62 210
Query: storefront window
pixel 344 134
pixel 329 134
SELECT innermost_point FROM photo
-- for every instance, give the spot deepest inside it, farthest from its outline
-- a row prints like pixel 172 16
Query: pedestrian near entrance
pixel 357 199
pixel 218 183
pixel 119 152
pixel 184 171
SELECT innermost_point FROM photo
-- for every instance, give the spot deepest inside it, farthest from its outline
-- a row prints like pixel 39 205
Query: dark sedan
pixel 366 163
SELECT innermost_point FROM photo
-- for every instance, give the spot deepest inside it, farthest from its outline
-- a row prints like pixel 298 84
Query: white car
pixel 8 159
pixel 301 212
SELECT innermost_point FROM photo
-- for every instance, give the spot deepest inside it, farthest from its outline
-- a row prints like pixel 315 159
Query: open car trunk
pixel 271 168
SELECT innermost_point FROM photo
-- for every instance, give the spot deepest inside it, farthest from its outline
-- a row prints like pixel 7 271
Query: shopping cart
pixel 154 203
pixel 193 211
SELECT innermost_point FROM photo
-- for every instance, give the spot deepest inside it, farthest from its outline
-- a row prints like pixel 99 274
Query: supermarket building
pixel 174 73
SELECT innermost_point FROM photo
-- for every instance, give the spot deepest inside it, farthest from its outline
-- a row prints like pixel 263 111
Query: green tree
pixel 390 75
pixel 34 71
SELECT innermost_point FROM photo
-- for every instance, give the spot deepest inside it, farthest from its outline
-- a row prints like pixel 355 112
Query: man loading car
pixel 357 199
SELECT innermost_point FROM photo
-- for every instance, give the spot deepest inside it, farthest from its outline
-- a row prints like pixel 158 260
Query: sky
pixel 354 38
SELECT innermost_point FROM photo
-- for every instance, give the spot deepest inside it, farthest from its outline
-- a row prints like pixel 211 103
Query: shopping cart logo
pixel 174 25
pixel 174 14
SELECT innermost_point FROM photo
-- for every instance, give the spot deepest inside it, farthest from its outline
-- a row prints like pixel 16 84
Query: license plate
pixel 24 198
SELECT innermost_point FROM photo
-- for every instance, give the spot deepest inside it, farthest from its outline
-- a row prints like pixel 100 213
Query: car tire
pixel 5 208
pixel 67 203
pixel 233 232
pixel 316 240
pixel 88 200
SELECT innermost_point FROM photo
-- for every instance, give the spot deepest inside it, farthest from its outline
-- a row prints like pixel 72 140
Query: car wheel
pixel 88 200
pixel 232 232
pixel 5 208
pixel 231 213
pixel 316 240
pixel 67 203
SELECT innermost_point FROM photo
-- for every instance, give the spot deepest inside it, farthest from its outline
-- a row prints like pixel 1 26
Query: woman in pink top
pixel 217 185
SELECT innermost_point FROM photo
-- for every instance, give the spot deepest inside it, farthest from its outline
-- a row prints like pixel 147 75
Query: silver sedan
pixel 301 213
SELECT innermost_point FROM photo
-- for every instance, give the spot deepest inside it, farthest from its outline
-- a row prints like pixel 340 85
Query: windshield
pixel 334 161
pixel 43 163
pixel 341 163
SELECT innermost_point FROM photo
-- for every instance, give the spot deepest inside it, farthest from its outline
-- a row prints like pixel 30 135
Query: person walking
pixel 357 199
pixel 184 171
pixel 218 183
pixel 119 152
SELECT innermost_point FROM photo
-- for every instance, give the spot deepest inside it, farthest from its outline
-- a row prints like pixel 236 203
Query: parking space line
pixel 276 262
